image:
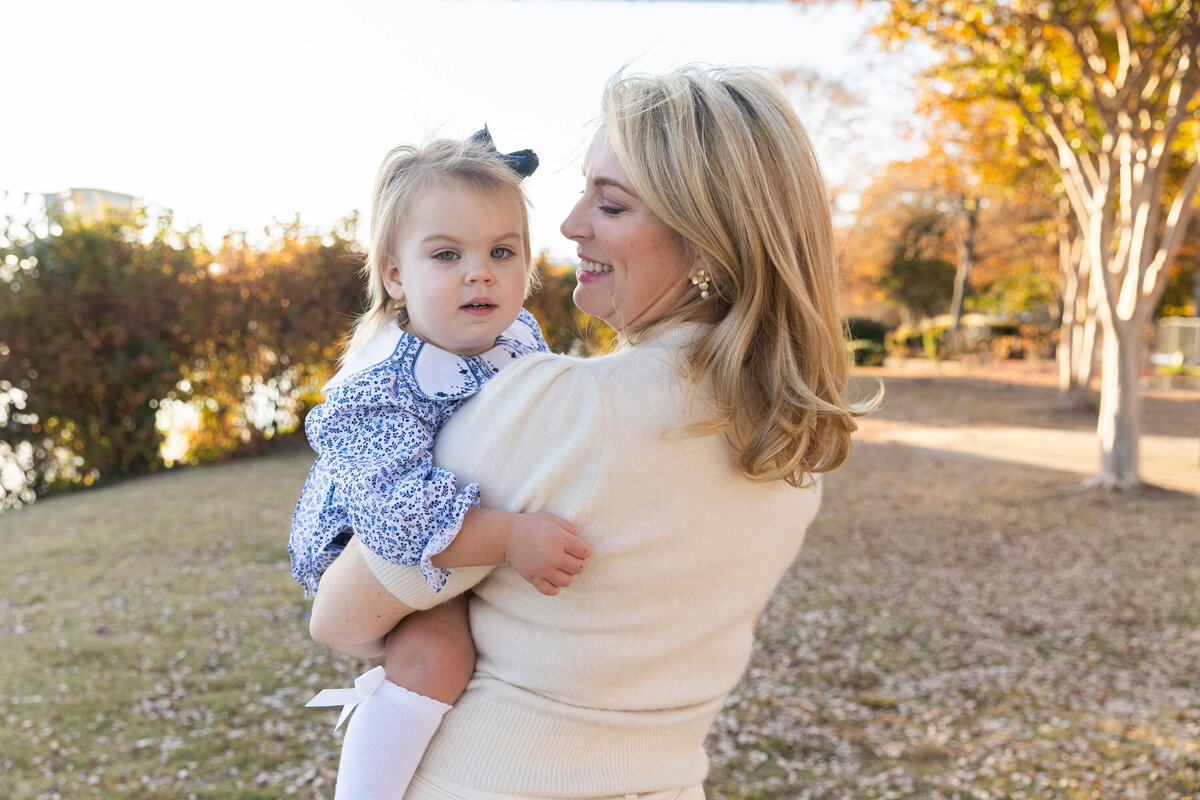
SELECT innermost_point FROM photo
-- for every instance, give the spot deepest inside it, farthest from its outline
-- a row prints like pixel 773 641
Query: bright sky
pixel 237 112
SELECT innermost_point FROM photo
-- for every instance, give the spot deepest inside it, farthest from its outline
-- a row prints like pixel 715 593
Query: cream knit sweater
pixel 610 687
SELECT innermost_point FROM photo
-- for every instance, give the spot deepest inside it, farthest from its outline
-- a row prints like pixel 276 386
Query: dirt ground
pixel 1011 412
pixel 1018 393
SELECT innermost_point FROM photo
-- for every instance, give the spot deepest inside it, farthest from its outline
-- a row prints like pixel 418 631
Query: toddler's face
pixel 459 265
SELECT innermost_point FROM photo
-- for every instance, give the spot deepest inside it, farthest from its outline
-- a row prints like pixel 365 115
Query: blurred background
pixel 186 184
pixel 183 189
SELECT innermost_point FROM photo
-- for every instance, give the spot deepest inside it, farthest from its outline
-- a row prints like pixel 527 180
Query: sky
pixel 235 113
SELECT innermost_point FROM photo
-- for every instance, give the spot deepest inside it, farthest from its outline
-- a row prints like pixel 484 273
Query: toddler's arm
pixel 543 548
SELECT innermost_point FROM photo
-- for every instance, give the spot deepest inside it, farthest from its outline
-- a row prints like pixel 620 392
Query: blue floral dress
pixel 374 477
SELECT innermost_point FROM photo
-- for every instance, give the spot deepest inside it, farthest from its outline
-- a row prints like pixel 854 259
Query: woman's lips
pixel 590 271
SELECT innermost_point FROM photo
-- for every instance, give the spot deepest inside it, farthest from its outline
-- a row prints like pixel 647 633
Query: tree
pixel 1108 91
pixel 914 277
pixel 988 224
pixel 566 328
pixel 110 319
pixel 93 319
pixel 1078 320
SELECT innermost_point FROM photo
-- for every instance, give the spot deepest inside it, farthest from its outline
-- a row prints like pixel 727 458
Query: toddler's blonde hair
pixel 405 172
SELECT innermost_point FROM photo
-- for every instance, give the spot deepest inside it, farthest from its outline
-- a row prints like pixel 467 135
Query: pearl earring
pixel 700 280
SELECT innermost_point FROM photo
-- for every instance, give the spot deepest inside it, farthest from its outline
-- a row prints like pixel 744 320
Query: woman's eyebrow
pixel 602 181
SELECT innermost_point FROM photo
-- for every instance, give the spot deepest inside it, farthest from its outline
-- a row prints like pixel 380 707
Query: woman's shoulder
pixel 634 364
pixel 636 385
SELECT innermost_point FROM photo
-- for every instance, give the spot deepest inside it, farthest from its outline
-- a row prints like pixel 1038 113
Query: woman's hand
pixel 546 550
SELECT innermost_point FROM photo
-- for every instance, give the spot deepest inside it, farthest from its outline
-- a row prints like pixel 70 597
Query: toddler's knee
pixel 322 631
pixel 435 660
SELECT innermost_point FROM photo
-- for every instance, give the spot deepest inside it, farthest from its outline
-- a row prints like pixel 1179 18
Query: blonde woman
pixel 688 458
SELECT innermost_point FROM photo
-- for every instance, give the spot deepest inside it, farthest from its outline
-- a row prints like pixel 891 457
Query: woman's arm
pixel 352 612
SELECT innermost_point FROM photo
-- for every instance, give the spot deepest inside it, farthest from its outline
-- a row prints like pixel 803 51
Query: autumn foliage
pixel 117 327
pixel 107 320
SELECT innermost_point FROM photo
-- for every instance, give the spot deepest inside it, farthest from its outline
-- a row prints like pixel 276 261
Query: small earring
pixel 700 280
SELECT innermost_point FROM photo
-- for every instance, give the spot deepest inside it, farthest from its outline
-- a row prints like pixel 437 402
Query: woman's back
pixel 638 655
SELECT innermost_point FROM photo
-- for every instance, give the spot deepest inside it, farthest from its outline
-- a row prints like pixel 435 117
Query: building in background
pixel 87 202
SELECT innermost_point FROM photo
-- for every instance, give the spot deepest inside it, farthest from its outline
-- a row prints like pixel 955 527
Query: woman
pixel 687 458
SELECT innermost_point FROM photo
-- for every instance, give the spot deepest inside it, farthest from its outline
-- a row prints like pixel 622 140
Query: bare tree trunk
pixel 1077 327
pixel 1083 353
pixel 966 261
pixel 1120 399
pixel 1085 359
pixel 1068 282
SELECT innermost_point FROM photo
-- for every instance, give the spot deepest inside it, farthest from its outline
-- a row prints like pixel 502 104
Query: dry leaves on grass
pixel 956 628
pixel 953 629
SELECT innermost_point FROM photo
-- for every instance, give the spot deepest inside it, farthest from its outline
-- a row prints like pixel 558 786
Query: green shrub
pixel 866 328
pixel 904 341
pixel 866 353
pixel 105 320
pixel 934 340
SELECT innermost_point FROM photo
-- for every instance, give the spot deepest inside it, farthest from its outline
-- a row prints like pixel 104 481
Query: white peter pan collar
pixel 436 373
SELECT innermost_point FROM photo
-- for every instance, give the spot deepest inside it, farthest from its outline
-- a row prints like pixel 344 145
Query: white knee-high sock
pixel 385 739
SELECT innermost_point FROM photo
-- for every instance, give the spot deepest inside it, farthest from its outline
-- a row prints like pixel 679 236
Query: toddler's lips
pixel 479 307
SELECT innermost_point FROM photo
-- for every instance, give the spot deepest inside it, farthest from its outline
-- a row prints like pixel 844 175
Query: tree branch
pixel 1184 85
pixel 1127 57
pixel 1086 48
pixel 1182 210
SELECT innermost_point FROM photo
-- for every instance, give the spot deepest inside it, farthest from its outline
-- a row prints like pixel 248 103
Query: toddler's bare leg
pixel 352 612
pixel 431 652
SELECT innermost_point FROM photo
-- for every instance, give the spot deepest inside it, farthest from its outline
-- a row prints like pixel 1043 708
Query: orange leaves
pixel 123 315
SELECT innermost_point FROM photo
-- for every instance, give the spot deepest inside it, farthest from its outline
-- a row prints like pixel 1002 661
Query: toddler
pixel 448 268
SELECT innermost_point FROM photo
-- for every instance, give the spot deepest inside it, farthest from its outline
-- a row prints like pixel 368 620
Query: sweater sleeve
pixel 539 422
pixel 377 451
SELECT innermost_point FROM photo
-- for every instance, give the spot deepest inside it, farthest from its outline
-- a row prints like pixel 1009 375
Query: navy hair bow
pixel 522 162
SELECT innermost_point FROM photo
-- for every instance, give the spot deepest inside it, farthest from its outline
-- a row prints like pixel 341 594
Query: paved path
pixel 1172 462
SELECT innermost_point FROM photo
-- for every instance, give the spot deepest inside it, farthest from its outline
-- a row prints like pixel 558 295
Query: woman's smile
pixel 590 271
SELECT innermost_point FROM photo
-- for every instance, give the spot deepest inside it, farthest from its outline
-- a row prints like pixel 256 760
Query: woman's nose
pixel 572 227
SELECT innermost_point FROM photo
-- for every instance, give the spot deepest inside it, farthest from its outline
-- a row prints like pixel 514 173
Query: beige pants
pixel 429 787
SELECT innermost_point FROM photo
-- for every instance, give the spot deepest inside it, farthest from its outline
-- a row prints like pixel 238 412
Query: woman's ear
pixel 391 279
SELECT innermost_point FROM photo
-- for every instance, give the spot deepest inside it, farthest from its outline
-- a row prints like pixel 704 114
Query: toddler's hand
pixel 546 551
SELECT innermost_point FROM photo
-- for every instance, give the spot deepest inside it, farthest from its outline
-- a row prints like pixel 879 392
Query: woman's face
pixel 634 269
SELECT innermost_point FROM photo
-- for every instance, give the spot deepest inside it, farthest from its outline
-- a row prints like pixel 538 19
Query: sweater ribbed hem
pixel 501 738
pixel 409 586
pixel 425 786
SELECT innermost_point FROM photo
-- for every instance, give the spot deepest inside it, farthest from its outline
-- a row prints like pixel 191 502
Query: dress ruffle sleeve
pixel 375 467
pixel 374 477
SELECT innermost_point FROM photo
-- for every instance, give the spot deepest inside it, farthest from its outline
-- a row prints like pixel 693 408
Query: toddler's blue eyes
pixel 497 253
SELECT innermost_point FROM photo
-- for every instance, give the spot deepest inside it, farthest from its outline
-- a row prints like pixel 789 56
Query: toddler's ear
pixel 391 279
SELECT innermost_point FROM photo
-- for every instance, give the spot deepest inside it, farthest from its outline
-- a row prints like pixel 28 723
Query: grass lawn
pixel 954 628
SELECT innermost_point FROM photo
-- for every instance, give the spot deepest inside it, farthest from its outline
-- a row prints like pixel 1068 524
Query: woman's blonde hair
pixel 721 157
pixel 405 172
